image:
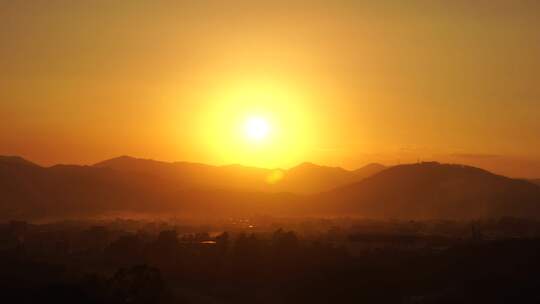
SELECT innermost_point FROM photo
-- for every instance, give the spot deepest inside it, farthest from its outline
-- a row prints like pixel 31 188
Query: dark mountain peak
pixel 239 166
pixel 421 190
pixel 435 190
pixel 312 178
pixel 427 174
pixel 308 166
pixel 369 170
pixel 436 167
pixel 372 166
pixel 16 160
pixel 126 162
pixel 242 170
pixel 123 159
pixel 69 167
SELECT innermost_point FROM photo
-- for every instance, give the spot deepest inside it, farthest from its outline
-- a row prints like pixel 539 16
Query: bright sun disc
pixel 256 128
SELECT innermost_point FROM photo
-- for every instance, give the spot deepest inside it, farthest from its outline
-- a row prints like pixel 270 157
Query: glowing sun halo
pixel 256 128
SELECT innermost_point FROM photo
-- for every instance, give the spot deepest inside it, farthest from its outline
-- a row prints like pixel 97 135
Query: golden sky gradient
pixel 340 83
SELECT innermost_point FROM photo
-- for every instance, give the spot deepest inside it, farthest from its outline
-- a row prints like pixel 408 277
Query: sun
pixel 256 128
pixel 257 122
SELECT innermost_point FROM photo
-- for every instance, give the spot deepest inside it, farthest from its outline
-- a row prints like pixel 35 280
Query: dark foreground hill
pixel 433 190
pixel 426 190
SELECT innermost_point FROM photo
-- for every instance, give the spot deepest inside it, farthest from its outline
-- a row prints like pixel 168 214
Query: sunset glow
pixel 259 122
pixel 256 128
pixel 336 82
pixel 270 151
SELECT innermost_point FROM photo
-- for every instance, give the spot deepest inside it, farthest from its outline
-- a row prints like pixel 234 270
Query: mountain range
pixel 131 185
pixel 305 178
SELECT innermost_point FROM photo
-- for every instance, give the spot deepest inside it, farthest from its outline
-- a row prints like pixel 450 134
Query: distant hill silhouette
pixel 312 178
pixel 138 185
pixel 433 190
pixel 128 185
pixel 28 190
pixel 16 160
pixel 305 178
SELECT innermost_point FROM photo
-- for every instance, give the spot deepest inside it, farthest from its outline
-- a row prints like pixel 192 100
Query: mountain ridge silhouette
pixel 432 189
pixel 410 191
pixel 305 178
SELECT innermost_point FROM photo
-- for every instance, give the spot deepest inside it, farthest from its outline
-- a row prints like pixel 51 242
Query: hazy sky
pixel 340 82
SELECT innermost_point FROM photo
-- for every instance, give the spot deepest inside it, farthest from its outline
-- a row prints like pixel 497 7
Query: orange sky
pixel 341 82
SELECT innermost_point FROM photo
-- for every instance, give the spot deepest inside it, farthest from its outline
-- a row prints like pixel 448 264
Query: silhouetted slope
pixel 305 178
pixel 427 190
pixel 16 160
pixel 369 170
pixel 187 175
pixel 433 190
pixel 311 178
pixel 28 190
pixel 127 184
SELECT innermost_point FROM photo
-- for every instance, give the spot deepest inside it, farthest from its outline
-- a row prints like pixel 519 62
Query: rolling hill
pixel 414 191
pixel 306 178
pixel 127 184
pixel 30 191
pixel 433 190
